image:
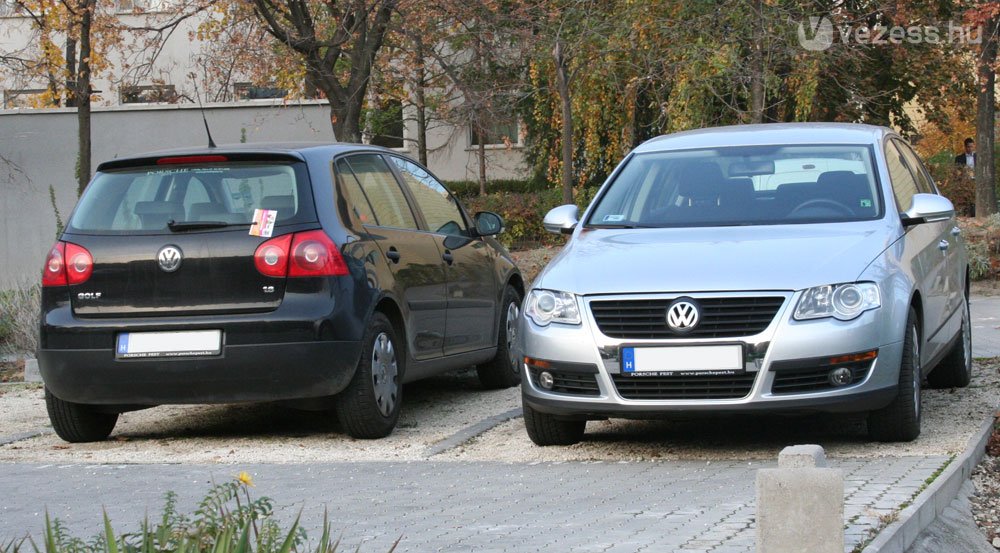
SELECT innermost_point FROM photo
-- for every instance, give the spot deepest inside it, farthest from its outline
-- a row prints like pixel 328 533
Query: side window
pixel 438 206
pixel 924 183
pixel 904 186
pixel 378 184
pixel 354 195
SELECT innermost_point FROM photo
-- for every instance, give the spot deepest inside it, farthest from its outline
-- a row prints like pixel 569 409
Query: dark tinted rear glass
pixel 147 199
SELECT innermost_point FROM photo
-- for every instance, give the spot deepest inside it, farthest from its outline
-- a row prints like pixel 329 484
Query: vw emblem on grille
pixel 169 258
pixel 683 315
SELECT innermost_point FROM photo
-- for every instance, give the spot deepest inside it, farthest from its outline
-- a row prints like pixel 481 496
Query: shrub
pixel 228 520
pixel 19 310
pixel 983 239
pixel 523 214
pixel 956 184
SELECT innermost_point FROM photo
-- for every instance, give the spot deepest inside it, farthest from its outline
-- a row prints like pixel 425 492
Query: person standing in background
pixel 968 159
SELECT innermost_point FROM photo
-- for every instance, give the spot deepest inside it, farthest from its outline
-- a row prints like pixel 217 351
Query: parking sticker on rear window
pixel 263 222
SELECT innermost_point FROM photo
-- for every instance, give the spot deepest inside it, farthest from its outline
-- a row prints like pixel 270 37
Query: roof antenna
pixel 211 143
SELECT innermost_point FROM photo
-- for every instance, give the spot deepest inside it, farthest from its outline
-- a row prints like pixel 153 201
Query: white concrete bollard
pixel 31 373
pixel 800 504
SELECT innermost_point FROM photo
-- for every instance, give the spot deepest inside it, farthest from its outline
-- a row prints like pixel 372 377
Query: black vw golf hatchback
pixel 331 274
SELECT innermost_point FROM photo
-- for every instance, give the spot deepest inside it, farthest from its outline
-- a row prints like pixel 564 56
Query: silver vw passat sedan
pixel 759 268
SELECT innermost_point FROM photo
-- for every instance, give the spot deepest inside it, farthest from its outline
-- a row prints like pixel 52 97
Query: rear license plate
pixel 186 343
pixel 718 360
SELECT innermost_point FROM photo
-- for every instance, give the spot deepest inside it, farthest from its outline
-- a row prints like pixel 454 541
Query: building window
pixel 499 133
pixel 248 91
pixel 22 97
pixel 385 124
pixel 149 94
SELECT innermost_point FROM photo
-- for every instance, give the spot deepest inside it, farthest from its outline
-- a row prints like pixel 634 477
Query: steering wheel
pixel 831 205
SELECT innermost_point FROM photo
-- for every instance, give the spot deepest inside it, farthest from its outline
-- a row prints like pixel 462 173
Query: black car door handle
pixel 393 254
pixel 448 258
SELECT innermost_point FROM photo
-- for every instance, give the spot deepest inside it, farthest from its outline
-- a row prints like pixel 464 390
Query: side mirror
pixel 927 208
pixel 488 223
pixel 562 219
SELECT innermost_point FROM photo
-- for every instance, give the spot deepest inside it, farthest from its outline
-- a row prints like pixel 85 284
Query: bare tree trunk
pixel 481 154
pixel 562 82
pixel 986 193
pixel 83 95
pixel 757 89
pixel 421 103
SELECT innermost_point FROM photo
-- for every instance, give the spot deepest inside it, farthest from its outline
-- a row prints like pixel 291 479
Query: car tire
pixel 545 429
pixel 900 420
pixel 504 371
pixel 369 407
pixel 955 370
pixel 76 423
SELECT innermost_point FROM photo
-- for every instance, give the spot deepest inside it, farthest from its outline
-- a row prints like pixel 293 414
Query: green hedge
pixel 469 188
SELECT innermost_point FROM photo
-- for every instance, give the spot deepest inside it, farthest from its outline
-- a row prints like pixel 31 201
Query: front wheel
pixel 545 429
pixel 900 420
pixel 504 371
pixel 955 370
pixel 369 406
pixel 78 423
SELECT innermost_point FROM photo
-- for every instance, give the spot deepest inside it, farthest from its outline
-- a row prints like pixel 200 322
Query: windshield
pixel 149 200
pixel 769 185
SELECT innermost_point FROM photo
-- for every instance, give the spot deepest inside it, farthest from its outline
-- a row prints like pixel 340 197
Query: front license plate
pixel 186 343
pixel 683 360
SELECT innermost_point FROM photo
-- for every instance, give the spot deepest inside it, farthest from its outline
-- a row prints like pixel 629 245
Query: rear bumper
pixel 252 372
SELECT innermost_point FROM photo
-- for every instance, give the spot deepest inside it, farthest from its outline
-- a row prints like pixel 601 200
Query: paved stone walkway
pixel 456 507
pixel 985 313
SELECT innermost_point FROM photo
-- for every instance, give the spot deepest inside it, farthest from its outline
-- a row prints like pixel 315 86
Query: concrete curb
pixel 469 432
pixel 900 535
pixel 5 440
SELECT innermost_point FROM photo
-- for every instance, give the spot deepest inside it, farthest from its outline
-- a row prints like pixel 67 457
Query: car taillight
pixel 67 263
pixel 271 257
pixel 54 273
pixel 303 254
pixel 314 254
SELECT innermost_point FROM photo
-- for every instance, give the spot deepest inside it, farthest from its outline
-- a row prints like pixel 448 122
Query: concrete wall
pixel 41 145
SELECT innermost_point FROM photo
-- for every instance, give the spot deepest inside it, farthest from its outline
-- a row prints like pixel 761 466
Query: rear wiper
pixel 178 226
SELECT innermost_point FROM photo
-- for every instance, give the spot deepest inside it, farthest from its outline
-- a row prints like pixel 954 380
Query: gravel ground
pixel 986 501
pixel 440 407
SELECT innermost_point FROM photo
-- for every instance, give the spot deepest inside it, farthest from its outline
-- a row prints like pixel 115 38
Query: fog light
pixel 545 380
pixel 841 376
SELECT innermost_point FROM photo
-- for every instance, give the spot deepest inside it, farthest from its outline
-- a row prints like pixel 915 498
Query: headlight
pixel 841 301
pixel 550 306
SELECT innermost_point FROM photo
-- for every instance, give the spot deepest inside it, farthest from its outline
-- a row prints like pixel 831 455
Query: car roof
pixel 299 150
pixel 767 134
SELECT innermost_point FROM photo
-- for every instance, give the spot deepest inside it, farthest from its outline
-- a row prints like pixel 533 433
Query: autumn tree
pixel 337 43
pixel 988 16
pixel 72 40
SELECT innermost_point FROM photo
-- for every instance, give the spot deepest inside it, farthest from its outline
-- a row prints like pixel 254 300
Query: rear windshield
pixel 149 200
pixel 771 185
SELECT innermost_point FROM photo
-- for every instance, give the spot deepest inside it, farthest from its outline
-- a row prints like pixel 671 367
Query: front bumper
pixel 590 384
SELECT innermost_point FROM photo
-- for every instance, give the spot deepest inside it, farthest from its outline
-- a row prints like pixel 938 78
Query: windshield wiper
pixel 177 226
pixel 604 226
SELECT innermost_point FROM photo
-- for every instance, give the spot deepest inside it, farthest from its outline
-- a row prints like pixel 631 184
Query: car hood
pixel 786 257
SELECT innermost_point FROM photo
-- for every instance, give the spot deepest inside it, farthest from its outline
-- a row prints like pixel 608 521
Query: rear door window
pixel 439 208
pixel 380 188
pixel 146 199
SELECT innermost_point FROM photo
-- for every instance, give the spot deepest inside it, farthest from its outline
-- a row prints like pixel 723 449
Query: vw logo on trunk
pixel 683 315
pixel 169 258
